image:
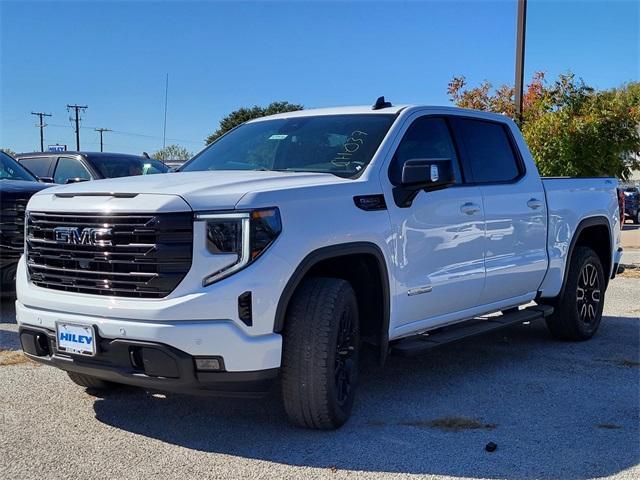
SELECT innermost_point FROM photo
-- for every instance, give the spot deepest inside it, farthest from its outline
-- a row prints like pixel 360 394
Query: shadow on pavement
pixel 560 410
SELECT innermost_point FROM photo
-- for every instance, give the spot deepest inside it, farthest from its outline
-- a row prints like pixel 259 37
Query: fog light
pixel 208 363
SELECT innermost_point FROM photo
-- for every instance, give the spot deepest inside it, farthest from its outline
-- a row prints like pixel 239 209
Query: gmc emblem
pixel 84 236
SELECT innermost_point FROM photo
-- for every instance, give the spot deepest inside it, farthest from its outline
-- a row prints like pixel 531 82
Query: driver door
pixel 439 238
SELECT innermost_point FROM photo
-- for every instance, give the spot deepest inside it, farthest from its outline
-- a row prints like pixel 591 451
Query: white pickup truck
pixel 281 249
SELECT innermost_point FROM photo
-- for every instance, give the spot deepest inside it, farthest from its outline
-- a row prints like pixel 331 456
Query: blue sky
pixel 113 57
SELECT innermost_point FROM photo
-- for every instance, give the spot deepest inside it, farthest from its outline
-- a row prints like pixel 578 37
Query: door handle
pixel 470 208
pixel 534 204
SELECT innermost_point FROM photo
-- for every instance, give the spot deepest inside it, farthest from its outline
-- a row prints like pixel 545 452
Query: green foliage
pixel 243 114
pixel 571 128
pixel 8 151
pixel 172 152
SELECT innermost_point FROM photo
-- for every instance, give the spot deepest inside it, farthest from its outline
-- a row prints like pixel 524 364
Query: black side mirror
pixel 75 180
pixel 45 179
pixel 422 174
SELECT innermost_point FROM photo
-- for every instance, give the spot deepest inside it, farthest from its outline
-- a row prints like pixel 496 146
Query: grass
pixel 452 424
pixel 12 357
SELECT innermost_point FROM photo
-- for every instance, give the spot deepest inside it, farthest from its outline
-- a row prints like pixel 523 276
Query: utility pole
pixel 42 125
pixel 77 109
pixel 520 35
pixel 102 130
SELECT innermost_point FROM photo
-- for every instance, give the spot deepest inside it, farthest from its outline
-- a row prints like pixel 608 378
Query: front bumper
pixel 146 364
pixel 240 351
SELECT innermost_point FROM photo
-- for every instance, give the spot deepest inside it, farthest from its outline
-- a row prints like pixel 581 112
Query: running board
pixel 417 344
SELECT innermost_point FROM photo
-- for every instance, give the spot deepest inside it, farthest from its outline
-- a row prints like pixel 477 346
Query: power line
pixel 42 125
pixel 102 130
pixel 131 134
pixel 77 109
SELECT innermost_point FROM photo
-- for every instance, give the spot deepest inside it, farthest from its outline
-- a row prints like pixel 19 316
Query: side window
pixel 39 166
pixel 70 168
pixel 489 150
pixel 427 137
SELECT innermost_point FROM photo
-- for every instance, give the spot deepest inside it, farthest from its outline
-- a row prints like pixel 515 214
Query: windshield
pixel 339 144
pixel 113 167
pixel 12 170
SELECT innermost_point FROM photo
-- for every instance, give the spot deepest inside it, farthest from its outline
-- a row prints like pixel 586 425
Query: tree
pixel 8 151
pixel 244 114
pixel 571 128
pixel 172 152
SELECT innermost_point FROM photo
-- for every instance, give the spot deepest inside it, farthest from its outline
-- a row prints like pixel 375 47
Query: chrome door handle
pixel 470 208
pixel 534 204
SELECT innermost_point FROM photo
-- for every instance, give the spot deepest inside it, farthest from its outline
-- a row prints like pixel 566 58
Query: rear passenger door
pixel 514 209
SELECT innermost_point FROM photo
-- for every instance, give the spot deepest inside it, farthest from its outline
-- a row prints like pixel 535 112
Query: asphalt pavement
pixel 554 409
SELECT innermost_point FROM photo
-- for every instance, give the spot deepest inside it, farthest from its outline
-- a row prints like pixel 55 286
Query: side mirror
pixel 422 174
pixel 45 179
pixel 75 180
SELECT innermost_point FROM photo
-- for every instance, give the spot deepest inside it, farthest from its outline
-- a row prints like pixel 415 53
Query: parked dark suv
pixel 70 167
pixel 16 187
pixel 632 203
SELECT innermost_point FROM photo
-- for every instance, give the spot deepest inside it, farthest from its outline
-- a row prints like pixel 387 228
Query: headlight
pixel 245 234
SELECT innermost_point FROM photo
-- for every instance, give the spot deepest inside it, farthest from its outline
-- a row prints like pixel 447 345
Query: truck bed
pixel 570 201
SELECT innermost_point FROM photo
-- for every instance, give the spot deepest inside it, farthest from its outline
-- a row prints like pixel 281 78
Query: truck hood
pixel 201 190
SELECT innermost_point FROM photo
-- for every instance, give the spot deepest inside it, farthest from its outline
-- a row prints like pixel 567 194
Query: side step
pixel 417 344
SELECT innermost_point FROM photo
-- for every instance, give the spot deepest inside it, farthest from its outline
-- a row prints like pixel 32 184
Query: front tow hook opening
pixel 135 356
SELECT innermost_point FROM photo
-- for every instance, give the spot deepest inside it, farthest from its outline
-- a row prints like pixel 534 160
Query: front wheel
pixel 578 311
pixel 321 346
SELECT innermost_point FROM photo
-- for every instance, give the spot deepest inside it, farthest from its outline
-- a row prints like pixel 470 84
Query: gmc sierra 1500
pixel 289 242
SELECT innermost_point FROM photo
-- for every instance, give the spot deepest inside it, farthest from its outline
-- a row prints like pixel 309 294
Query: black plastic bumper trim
pixel 113 363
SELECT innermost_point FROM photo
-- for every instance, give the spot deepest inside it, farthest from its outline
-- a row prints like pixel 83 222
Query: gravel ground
pixel 555 410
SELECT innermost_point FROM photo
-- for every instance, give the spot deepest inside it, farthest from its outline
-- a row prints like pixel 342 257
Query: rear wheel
pixel 321 347
pixel 88 381
pixel 578 311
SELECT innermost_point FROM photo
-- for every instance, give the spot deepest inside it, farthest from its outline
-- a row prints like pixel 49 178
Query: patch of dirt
pixel 609 426
pixel 452 424
pixel 619 362
pixel 625 362
pixel 630 273
pixel 13 357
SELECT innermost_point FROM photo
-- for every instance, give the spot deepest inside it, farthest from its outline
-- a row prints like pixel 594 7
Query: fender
pixel 586 223
pixel 334 251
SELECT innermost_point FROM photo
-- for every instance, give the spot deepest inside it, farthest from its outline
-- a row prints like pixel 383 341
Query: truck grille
pixel 12 228
pixel 134 255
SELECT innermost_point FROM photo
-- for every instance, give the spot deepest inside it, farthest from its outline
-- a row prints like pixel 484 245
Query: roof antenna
pixel 380 103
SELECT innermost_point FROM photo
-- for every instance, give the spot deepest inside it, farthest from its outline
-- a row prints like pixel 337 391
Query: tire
pixel 88 381
pixel 637 219
pixel 321 350
pixel 578 311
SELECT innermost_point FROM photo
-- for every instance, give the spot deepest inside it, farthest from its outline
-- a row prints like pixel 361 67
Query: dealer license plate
pixel 75 338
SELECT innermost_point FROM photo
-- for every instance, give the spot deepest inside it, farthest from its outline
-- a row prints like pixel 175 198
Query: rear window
pixel 114 167
pixel 489 150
